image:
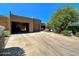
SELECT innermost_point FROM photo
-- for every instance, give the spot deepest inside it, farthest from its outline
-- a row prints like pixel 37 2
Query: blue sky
pixel 42 11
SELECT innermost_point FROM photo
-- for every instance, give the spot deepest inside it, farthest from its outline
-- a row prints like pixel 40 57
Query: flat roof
pixel 26 17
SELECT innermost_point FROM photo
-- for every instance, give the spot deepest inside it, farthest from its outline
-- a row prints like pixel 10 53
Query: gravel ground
pixel 6 40
pixel 42 44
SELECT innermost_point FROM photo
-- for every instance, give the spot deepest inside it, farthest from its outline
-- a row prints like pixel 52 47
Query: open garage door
pixel 18 27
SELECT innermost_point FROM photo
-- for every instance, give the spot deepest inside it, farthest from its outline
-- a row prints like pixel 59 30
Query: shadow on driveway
pixel 13 51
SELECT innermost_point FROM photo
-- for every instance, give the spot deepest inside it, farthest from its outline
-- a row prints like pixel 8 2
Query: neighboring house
pixel 15 23
pixel 74 27
pixel 76 23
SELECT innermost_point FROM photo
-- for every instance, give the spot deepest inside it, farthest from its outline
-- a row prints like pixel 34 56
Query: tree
pixel 63 17
pixel 48 25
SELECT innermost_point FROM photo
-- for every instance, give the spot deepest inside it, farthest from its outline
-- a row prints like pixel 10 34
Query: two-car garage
pixel 18 27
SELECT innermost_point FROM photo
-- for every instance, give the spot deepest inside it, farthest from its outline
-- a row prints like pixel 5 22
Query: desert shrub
pixel 7 33
pixel 1 43
pixel 77 34
pixel 66 33
pixel 1 39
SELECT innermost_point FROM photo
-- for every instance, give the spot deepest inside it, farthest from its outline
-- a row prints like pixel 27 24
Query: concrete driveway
pixel 43 44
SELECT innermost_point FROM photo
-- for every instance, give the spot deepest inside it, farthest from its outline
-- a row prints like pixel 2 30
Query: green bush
pixel 6 33
pixel 2 40
pixel 77 34
pixel 66 33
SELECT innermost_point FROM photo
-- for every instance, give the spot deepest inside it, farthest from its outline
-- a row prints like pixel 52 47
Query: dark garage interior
pixel 18 27
pixel 43 26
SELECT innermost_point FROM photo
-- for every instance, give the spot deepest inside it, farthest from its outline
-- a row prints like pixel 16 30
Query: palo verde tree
pixel 63 17
pixel 48 25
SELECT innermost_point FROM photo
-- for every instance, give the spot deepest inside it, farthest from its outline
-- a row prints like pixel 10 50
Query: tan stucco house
pixel 15 23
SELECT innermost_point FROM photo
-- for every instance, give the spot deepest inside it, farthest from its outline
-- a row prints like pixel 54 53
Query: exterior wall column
pixel 30 27
pixel 9 24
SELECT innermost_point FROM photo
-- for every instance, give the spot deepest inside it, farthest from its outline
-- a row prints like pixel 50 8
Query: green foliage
pixel 6 33
pixel 2 40
pixel 48 25
pixel 63 17
pixel 76 28
pixel 77 34
pixel 66 33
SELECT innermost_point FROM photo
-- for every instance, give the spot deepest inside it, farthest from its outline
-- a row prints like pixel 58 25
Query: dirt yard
pixel 42 44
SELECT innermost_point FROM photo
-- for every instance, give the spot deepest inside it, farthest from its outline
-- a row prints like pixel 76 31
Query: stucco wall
pixel 37 25
pixel 4 21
